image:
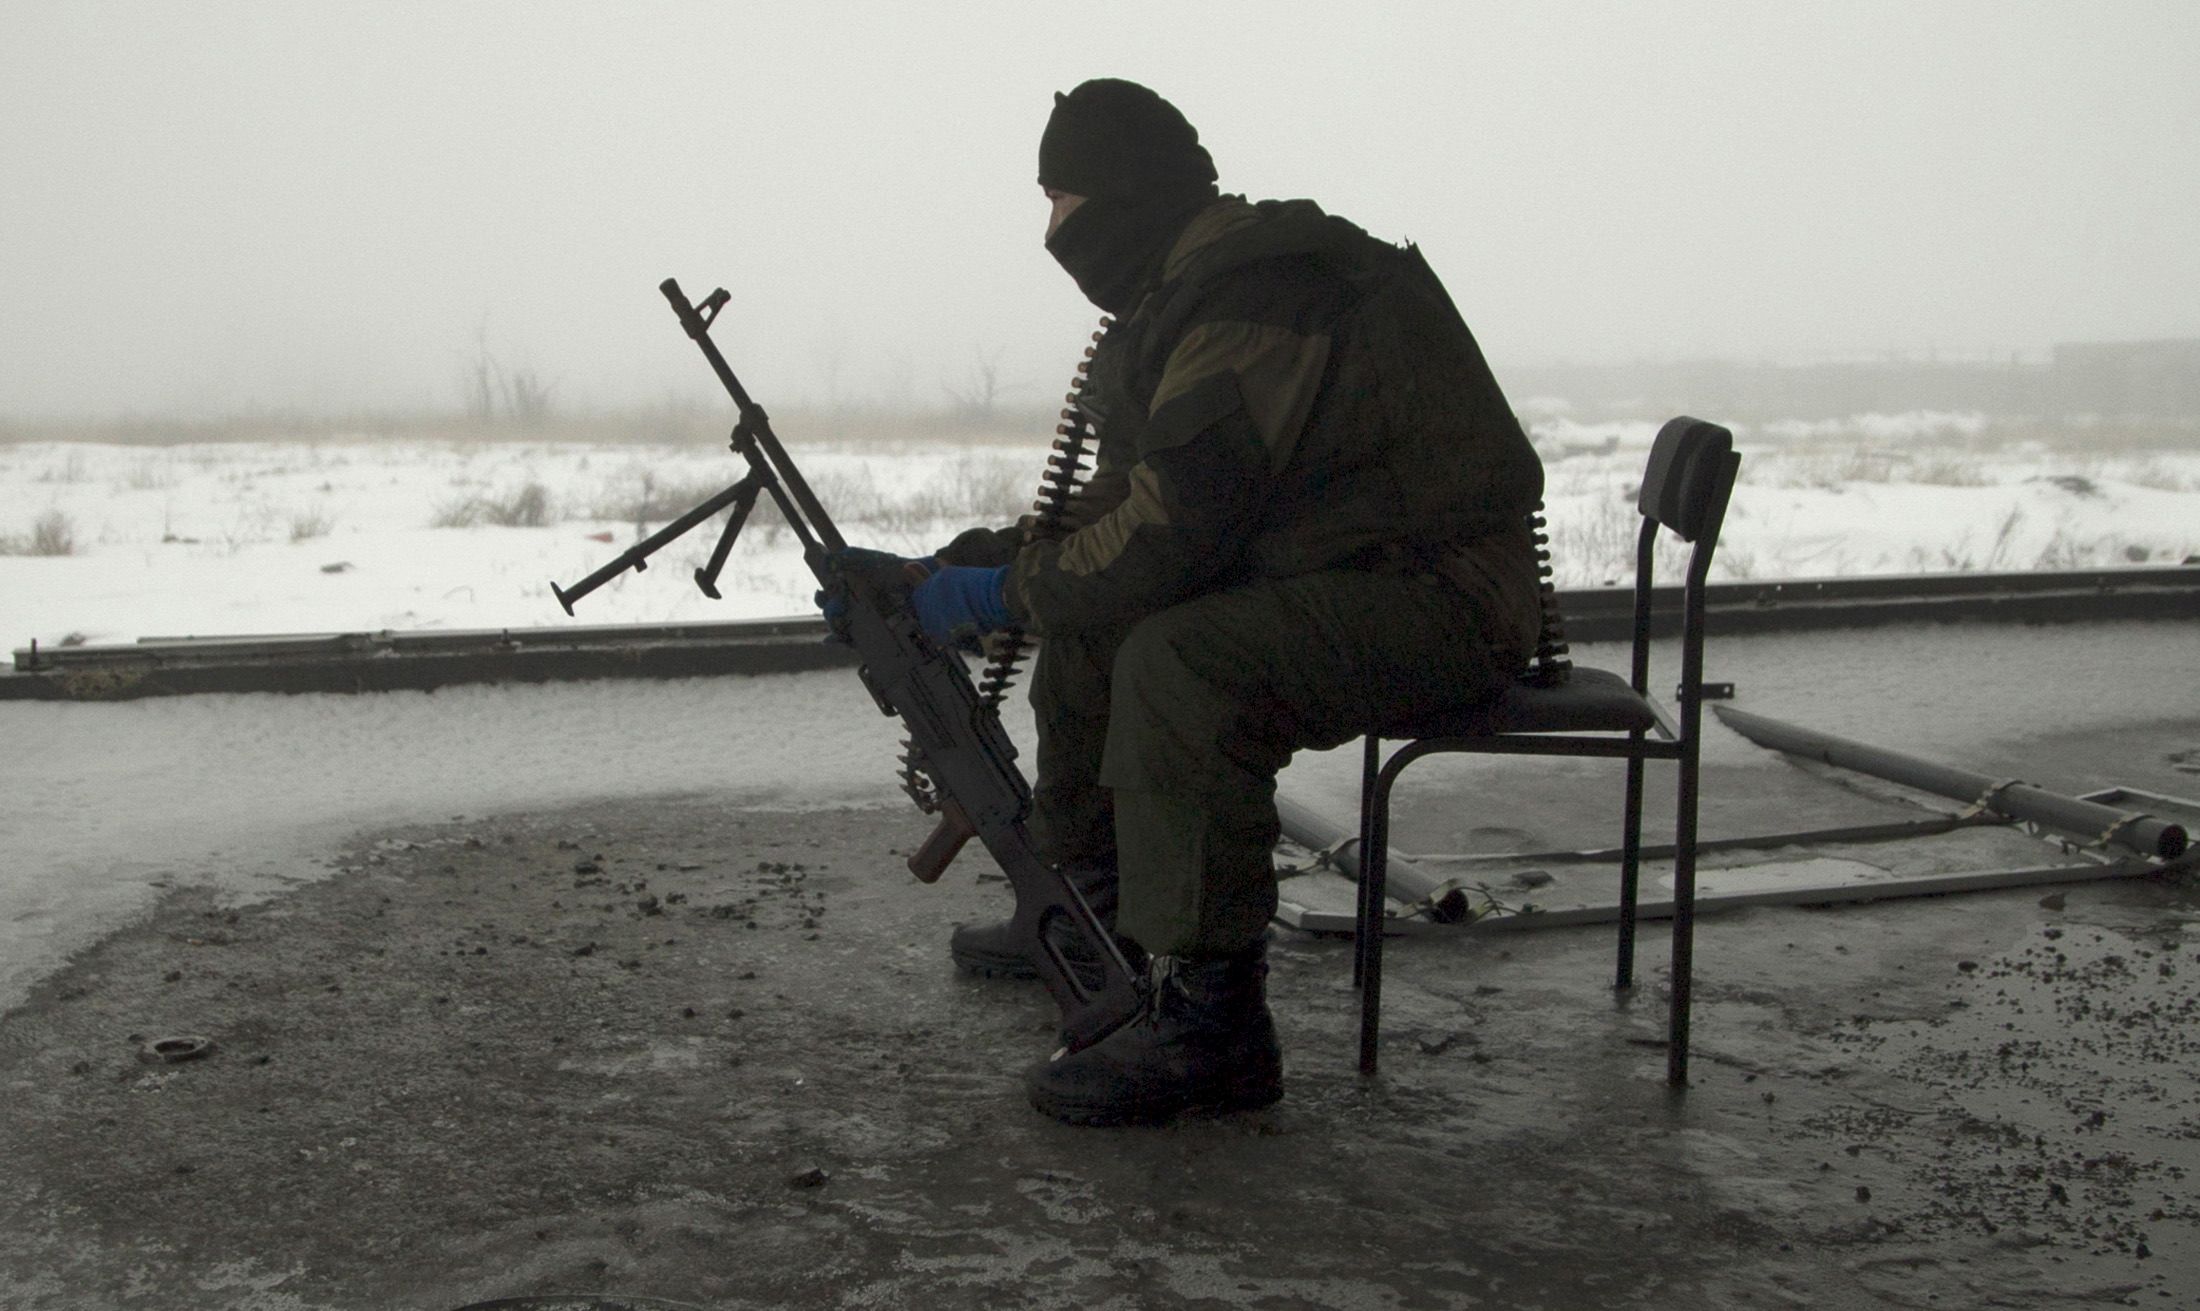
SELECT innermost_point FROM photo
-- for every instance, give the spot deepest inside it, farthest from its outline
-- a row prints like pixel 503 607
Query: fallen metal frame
pixel 1312 920
pixel 1412 916
pixel 2136 832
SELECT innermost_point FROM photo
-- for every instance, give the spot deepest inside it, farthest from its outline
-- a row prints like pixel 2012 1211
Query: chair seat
pixel 1591 701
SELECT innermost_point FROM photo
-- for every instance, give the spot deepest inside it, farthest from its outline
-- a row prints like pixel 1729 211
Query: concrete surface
pixel 701 1048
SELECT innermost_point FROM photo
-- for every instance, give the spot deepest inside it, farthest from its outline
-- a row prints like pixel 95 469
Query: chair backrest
pixel 1685 488
pixel 1682 480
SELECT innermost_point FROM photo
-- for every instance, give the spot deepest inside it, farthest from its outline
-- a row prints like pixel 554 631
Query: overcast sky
pixel 222 206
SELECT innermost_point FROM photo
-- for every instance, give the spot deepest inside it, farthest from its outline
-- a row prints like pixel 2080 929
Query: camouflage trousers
pixel 1159 743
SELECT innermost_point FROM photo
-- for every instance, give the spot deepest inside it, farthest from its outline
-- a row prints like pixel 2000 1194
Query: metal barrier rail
pixel 390 660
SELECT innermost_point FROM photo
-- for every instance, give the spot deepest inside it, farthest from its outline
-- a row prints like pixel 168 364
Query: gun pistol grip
pixel 931 860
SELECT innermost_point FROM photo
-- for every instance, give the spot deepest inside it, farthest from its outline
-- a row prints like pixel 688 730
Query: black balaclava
pixel 1143 174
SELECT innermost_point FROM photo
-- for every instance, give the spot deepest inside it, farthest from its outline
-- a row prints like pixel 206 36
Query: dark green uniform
pixel 1306 521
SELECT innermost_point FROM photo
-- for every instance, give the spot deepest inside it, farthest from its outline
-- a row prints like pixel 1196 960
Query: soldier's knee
pixel 1158 656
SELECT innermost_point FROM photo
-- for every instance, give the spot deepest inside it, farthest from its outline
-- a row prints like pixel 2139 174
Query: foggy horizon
pixel 235 207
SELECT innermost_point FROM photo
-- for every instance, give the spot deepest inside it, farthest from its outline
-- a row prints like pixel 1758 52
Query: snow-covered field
pixel 115 542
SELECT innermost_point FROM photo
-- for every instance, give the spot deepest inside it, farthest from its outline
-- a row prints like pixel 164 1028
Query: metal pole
pixel 1340 850
pixel 2098 824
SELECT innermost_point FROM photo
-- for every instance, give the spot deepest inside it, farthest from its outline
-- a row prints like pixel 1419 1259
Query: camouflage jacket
pixel 1292 395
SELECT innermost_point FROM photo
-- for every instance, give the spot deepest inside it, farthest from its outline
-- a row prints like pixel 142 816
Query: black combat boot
pixel 1205 1040
pixel 1001 951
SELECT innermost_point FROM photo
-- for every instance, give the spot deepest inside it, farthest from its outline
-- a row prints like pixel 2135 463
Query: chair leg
pixel 1684 919
pixel 1630 871
pixel 1374 872
pixel 1369 758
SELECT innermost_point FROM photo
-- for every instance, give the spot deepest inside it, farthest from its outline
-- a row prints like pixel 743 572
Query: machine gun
pixel 961 762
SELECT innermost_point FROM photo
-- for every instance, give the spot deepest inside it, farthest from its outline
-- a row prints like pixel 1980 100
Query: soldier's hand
pixel 960 603
pixel 832 601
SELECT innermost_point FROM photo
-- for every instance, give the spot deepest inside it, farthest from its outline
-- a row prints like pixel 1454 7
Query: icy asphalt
pixel 109 804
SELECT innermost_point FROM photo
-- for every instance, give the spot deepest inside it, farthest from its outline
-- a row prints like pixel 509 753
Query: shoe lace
pixel 1165 990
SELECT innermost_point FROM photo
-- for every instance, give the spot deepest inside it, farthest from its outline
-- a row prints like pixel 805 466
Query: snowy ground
pixel 114 542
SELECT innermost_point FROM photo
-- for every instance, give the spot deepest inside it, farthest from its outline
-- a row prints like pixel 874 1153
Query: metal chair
pixel 1558 710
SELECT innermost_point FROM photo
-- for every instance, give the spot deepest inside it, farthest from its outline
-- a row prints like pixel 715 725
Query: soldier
pixel 1307 521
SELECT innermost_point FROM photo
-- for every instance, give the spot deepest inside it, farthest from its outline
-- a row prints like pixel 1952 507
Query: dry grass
pixel 155 474
pixel 1960 558
pixel 640 497
pixel 313 523
pixel 972 489
pixel 1593 543
pixel 72 469
pixel 2114 437
pixel 1948 470
pixel 52 533
pixel 526 507
pixel 2154 473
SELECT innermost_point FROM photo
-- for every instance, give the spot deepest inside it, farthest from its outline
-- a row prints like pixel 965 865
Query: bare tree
pixel 980 395
pixel 491 390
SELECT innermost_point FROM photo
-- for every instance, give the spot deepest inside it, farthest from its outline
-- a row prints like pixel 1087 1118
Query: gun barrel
pixel 759 425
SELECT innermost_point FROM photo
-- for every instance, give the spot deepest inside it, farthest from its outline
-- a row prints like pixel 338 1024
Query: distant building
pixel 2157 379
pixel 2135 379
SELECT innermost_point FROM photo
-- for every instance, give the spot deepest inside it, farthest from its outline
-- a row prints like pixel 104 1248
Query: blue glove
pixel 833 603
pixel 960 601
